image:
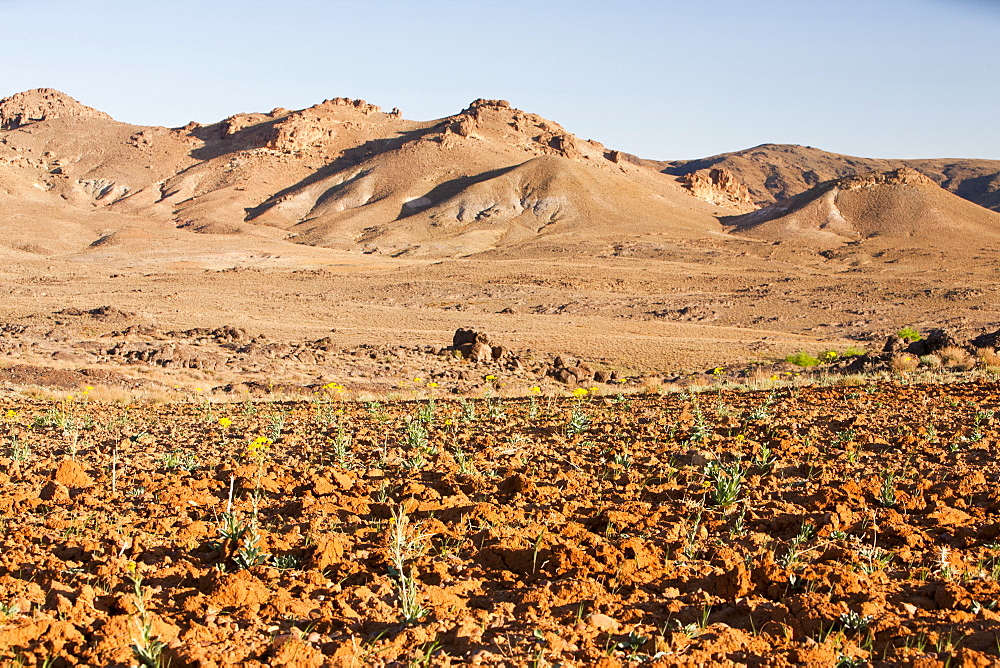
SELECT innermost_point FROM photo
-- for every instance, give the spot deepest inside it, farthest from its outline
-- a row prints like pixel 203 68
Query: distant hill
pixel 899 207
pixel 772 172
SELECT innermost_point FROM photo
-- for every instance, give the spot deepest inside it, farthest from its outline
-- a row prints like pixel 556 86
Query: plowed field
pixel 820 526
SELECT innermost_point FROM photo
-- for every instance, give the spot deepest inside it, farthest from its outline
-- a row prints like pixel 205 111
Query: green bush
pixel 853 351
pixel 802 359
pixel 909 334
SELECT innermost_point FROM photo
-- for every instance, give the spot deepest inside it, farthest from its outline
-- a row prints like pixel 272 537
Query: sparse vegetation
pixel 419 517
pixel 803 359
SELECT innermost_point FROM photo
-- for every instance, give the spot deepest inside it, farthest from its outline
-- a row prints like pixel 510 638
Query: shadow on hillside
pixel 351 157
pixel 445 191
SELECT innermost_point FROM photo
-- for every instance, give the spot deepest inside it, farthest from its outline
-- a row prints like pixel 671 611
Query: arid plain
pixel 265 311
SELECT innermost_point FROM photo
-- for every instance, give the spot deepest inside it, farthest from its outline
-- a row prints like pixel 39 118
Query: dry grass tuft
pixel 955 357
pixel 904 363
pixel 989 357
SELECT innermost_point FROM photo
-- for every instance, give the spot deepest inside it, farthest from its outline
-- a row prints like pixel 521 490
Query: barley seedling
pixel 401 544
pixel 918 641
pixel 249 553
pixel 537 549
pixel 425 653
pixel 425 413
pixel 276 425
pixel 176 459
pixel 764 458
pixel 19 452
pixel 146 649
pixel 726 481
pixel 340 446
pixel 762 412
pixel 578 422
pixel 691 536
pixel 468 410
pixel 854 622
pixel 285 561
pixel 465 466
pixel 887 493
pixel 947 643
pixel 495 410
pixel 416 435
pixel 795 549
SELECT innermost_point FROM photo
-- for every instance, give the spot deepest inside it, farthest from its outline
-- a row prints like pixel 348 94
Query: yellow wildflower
pixel 225 422
pixel 580 392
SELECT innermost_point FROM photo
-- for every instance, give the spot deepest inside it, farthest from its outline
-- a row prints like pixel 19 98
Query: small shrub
pixel 853 351
pixel 930 361
pixel 802 359
pixel 909 334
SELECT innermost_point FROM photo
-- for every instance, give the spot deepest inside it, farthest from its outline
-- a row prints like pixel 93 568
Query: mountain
pixel 348 176
pixel 895 208
pixel 341 174
pixel 768 173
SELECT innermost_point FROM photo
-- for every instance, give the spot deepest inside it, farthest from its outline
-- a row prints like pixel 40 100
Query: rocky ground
pixel 857 524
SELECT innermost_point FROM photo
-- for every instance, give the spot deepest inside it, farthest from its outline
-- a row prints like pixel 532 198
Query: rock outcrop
pixel 719 186
pixel 41 104
pixel 477 346
pixel 903 176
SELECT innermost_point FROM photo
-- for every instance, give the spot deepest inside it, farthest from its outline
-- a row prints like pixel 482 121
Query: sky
pixel 662 79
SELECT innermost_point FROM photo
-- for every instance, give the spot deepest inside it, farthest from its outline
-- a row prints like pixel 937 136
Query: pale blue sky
pixel 665 80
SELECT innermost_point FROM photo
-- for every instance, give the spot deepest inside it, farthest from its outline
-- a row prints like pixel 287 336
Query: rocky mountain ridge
pixel 345 175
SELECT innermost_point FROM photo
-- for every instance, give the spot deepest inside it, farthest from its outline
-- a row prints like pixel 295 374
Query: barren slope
pixel 768 173
pixel 894 208
pixel 340 174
